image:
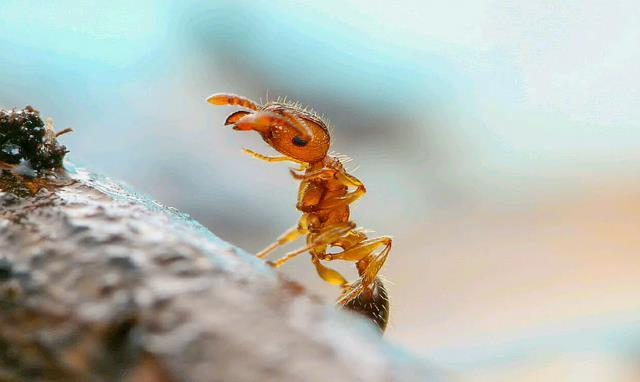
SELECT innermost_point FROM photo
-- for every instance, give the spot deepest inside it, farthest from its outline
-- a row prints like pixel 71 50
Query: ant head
pixel 305 138
pixel 289 129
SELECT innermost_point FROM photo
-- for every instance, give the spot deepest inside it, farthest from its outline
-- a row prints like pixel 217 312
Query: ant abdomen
pixel 373 303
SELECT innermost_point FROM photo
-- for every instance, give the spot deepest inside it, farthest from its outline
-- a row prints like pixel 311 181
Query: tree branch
pixel 98 283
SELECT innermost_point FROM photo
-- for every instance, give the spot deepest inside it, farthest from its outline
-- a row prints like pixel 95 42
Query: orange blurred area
pixel 527 295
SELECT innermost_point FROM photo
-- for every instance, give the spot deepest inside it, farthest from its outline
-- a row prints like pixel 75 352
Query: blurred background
pixel 499 143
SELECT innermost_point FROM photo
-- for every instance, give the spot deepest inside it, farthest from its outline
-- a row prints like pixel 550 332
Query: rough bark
pixel 98 283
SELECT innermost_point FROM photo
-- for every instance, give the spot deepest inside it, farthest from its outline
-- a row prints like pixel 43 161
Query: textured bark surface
pixel 100 284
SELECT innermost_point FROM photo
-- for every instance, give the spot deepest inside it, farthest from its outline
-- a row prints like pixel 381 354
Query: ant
pixel 325 193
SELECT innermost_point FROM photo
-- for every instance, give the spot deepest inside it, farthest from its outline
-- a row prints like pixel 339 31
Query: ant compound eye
pixel 299 141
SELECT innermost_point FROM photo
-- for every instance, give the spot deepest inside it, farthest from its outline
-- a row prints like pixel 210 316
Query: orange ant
pixel 325 193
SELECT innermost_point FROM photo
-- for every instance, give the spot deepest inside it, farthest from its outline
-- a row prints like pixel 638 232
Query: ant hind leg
pixel 368 261
pixel 329 275
pixel 322 239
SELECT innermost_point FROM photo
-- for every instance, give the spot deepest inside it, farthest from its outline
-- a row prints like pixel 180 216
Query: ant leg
pixel 368 263
pixel 349 181
pixel 327 274
pixel 323 173
pixel 342 200
pixel 360 250
pixel 290 235
pixel 368 268
pixel 328 173
pixel 350 239
pixel 322 239
pixel 274 159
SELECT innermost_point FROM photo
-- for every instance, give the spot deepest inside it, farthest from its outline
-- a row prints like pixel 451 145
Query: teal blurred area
pixel 499 142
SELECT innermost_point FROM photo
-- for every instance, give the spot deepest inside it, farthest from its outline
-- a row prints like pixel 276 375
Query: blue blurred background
pixel 499 142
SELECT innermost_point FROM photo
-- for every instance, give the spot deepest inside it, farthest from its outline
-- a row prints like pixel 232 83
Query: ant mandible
pixel 325 193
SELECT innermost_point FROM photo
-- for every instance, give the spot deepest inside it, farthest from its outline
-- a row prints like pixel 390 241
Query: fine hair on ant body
pixel 325 193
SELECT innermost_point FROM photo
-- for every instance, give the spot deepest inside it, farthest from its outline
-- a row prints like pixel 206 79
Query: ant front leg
pixel 327 274
pixel 323 173
pixel 265 158
pixel 341 201
pixel 349 181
